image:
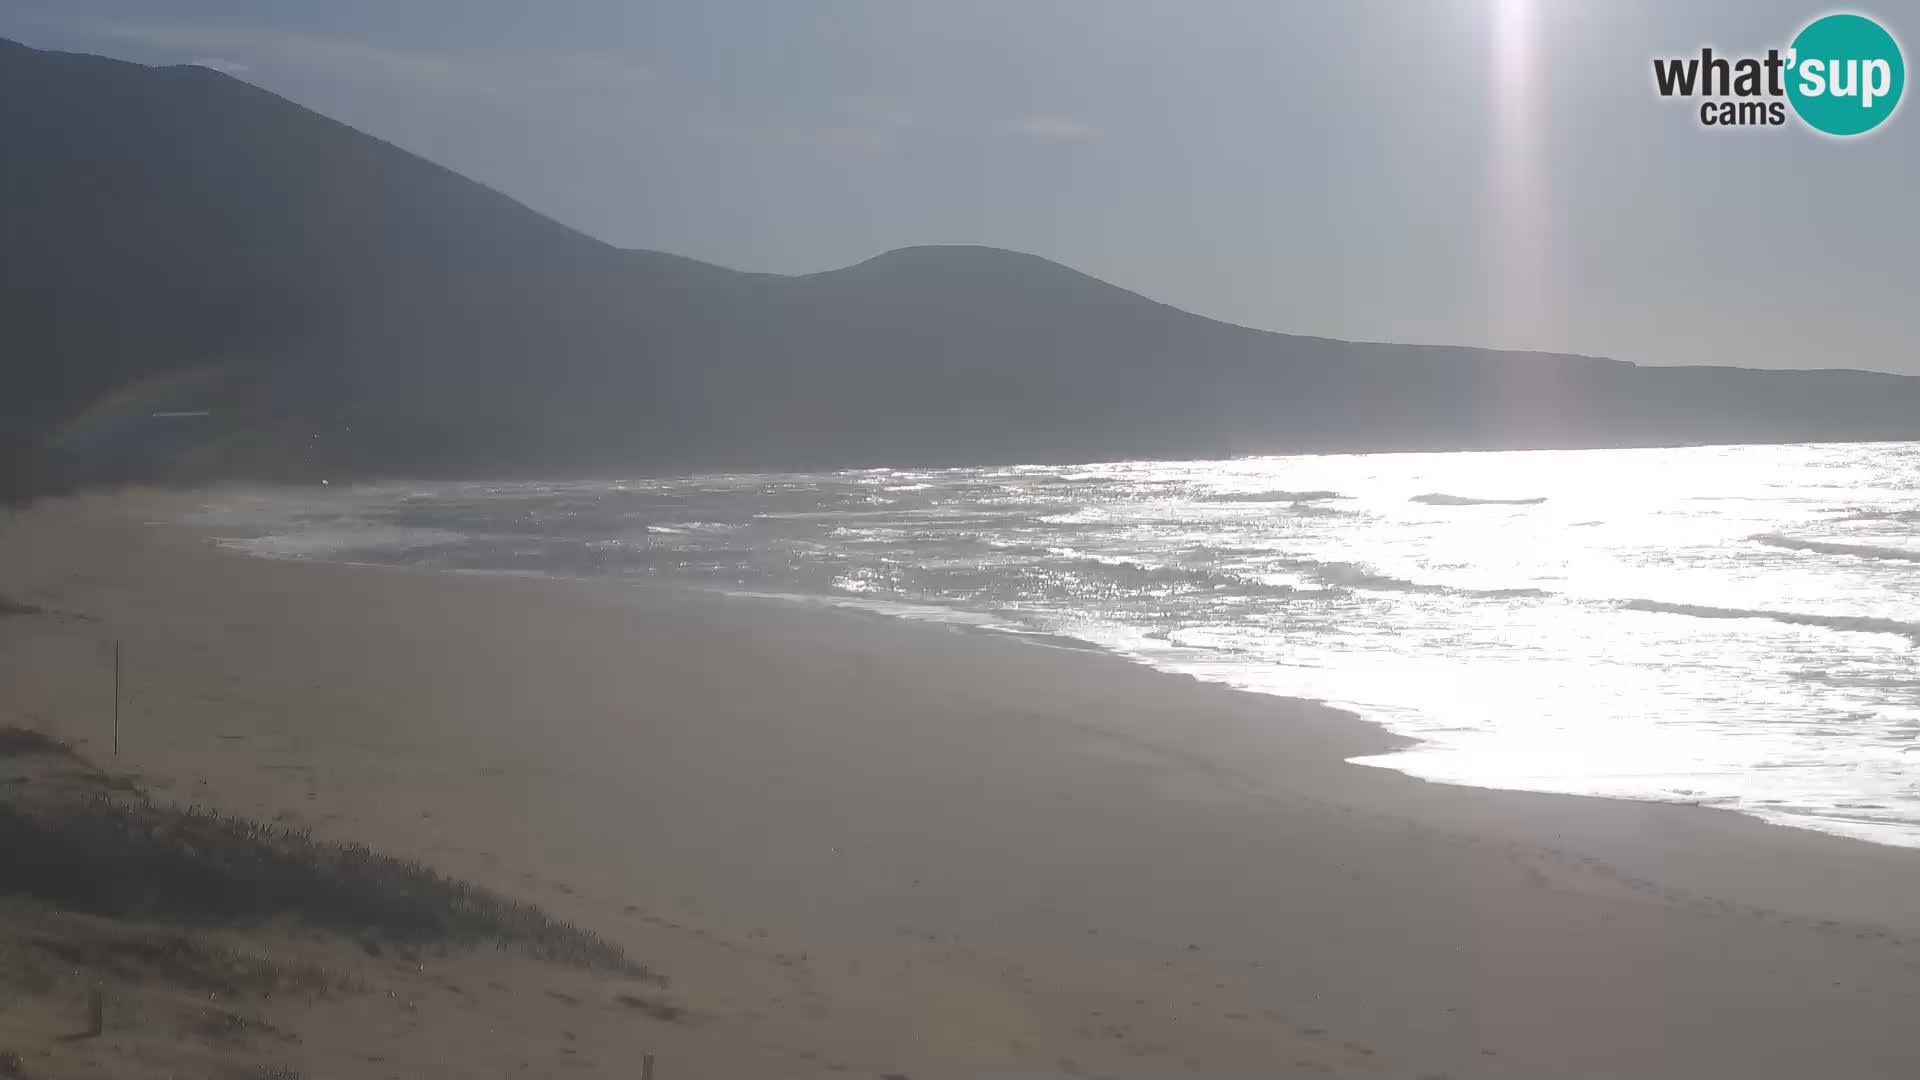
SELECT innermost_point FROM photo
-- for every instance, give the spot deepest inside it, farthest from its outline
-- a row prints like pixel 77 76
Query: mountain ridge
pixel 341 305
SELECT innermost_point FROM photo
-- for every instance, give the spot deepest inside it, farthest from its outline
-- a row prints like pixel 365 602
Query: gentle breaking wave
pixel 1122 573
pixel 1855 623
pixel 1316 495
pixel 1318 577
pixel 1356 576
pixel 1907 517
pixel 1442 499
pixel 1823 547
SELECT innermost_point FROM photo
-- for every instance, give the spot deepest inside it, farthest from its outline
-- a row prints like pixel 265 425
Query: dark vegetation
pixel 15 742
pixel 138 954
pixel 178 240
pixel 659 1010
pixel 126 858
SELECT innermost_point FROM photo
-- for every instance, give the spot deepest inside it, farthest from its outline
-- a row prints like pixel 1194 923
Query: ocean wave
pixel 1822 547
pixel 1355 576
pixel 1315 495
pixel 1871 682
pixel 352 540
pixel 1015 547
pixel 1146 578
pixel 1855 623
pixel 1443 499
pixel 1909 517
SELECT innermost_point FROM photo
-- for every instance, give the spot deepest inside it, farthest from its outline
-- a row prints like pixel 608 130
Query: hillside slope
pixel 339 303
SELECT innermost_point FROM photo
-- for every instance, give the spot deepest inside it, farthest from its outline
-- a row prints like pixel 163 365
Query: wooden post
pixel 646 1067
pixel 116 697
pixel 96 1012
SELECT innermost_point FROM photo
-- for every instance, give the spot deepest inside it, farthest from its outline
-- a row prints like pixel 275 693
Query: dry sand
pixel 856 844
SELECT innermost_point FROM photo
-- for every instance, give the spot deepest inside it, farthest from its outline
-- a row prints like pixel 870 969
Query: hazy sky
pixel 1493 172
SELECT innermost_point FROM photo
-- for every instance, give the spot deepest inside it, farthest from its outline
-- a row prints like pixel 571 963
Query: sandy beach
pixel 859 845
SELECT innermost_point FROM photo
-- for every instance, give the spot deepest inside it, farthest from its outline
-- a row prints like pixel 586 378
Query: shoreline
pixel 911 847
pixel 1397 742
pixel 1399 754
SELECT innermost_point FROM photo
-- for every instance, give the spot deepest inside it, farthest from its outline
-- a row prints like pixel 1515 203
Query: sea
pixel 1733 626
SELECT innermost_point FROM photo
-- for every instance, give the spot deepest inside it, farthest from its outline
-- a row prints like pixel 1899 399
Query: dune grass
pixel 10 606
pixel 16 741
pixel 129 859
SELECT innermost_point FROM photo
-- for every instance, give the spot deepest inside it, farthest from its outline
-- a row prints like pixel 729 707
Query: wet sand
pixel 859 844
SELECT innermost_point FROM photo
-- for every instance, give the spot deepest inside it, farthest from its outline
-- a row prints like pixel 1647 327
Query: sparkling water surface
pixel 1727 625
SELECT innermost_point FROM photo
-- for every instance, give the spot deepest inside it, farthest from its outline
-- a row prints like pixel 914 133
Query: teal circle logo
pixel 1845 74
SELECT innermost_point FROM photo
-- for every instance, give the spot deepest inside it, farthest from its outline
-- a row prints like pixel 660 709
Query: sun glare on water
pixel 1722 624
